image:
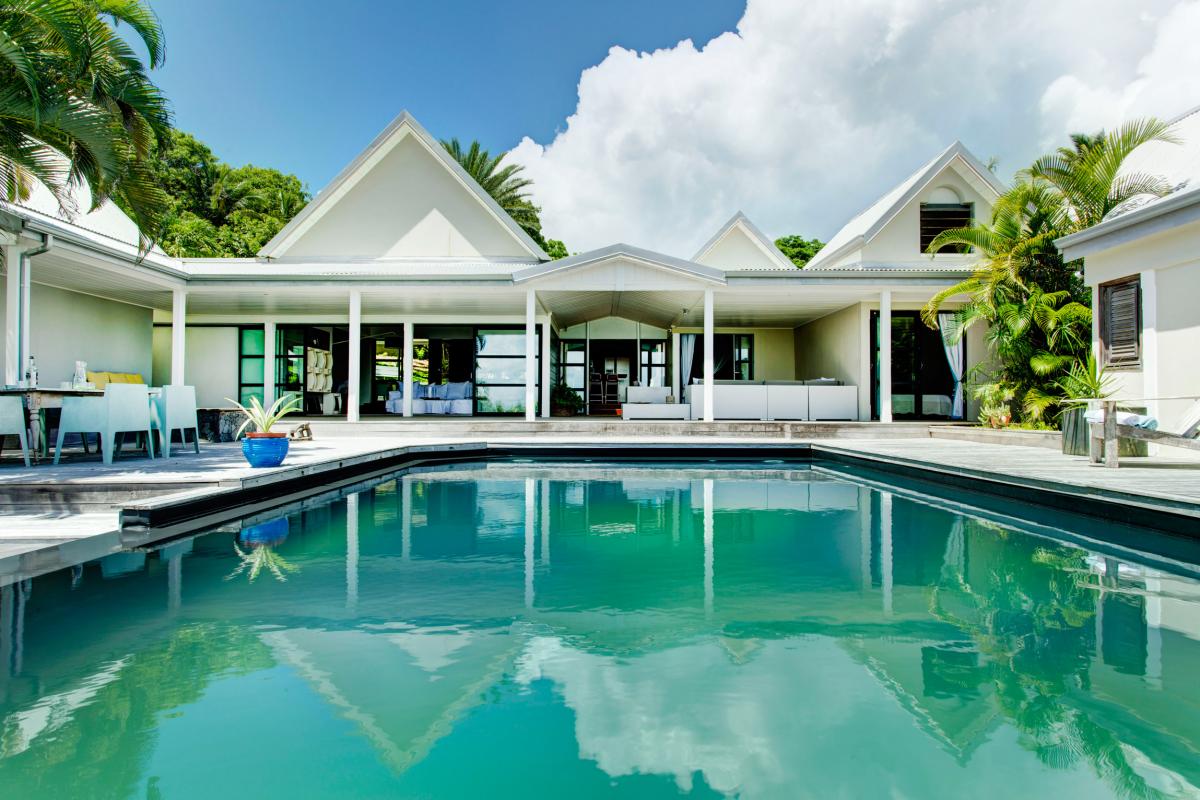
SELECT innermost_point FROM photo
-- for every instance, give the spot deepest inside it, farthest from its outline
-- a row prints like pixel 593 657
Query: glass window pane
pixel 500 343
pixel 245 394
pixel 252 342
pixel 575 377
pixel 252 370
pixel 500 370
pixel 500 399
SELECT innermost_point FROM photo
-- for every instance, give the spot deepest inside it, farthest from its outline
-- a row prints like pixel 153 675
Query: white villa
pixel 404 272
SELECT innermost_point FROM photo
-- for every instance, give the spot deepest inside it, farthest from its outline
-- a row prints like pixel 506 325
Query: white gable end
pixel 898 242
pixel 741 245
pixel 619 274
pixel 404 197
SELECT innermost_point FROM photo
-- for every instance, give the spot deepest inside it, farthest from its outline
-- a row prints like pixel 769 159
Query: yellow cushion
pixel 100 379
pixel 133 377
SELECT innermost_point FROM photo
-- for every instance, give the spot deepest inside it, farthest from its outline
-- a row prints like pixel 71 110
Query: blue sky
pixel 801 117
pixel 303 86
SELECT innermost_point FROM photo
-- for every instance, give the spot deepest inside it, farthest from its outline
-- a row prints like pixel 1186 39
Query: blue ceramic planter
pixel 265 452
pixel 272 532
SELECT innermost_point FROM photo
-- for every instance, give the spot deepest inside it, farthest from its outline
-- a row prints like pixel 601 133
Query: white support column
pixel 885 549
pixel 885 356
pixel 545 368
pixel 12 315
pixel 530 355
pixel 268 363
pixel 709 370
pixel 409 350
pixel 675 382
pixel 178 336
pixel 354 357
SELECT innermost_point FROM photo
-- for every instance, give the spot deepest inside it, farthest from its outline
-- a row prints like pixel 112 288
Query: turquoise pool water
pixel 556 630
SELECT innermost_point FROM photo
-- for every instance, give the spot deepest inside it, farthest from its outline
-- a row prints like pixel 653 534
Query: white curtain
pixel 687 353
pixel 952 343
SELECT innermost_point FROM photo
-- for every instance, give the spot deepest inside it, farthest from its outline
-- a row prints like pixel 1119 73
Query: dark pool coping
pixel 254 494
pixel 164 518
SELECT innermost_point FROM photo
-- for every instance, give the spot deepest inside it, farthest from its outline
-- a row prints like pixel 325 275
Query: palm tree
pixel 76 104
pixel 503 183
pixel 1088 174
pixel 1034 304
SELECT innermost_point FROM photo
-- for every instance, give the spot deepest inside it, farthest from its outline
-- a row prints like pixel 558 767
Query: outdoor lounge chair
pixel 1106 433
pixel 13 421
pixel 124 407
pixel 174 409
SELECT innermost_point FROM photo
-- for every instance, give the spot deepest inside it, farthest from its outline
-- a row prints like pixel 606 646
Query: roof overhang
pixel 1157 217
pixel 668 265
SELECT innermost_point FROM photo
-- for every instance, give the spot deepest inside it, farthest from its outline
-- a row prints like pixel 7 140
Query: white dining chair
pixel 124 408
pixel 13 421
pixel 174 409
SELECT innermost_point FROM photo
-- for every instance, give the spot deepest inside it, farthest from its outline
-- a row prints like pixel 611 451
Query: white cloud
pixel 812 110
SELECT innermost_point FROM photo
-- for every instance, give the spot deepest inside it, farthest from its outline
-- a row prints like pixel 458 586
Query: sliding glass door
pixel 500 371
pixel 922 384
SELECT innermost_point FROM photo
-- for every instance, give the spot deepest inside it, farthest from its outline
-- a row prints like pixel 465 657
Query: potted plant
pixel 1083 381
pixel 994 404
pixel 263 447
pixel 565 401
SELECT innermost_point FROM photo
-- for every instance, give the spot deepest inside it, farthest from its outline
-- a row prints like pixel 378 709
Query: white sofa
pixel 438 399
pixel 650 402
pixel 819 399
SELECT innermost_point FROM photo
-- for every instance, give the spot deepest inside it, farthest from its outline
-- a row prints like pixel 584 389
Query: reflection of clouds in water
pixel 781 718
pixel 643 715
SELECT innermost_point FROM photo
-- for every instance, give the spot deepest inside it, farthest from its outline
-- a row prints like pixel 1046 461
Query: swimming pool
pixel 512 629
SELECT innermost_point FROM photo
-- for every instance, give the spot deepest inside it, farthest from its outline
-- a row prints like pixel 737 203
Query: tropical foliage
pixel 77 107
pixel 1034 305
pixel 507 186
pixel 799 249
pixel 216 210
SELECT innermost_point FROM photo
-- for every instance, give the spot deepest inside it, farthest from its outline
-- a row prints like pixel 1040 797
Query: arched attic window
pixel 942 210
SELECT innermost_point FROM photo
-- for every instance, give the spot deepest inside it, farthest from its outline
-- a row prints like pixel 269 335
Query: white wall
pixel 408 205
pixel 210 363
pixel 829 347
pixel 736 250
pixel 899 242
pixel 67 326
pixel 1170 315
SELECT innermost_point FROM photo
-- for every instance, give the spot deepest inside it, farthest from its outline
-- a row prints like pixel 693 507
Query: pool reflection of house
pixel 907 615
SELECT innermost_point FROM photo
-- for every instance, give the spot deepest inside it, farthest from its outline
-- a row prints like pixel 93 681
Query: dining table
pixel 40 398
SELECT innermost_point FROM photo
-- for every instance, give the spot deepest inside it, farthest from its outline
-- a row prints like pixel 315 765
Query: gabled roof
pixel 860 230
pixel 739 225
pixel 593 257
pixel 1176 162
pixel 402 126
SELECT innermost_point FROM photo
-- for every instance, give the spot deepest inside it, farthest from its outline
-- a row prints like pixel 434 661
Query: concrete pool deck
pixel 45 508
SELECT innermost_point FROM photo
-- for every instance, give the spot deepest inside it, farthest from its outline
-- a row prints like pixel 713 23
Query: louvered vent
pixel 1121 323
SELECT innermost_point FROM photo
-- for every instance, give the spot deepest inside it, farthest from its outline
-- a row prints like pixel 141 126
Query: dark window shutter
pixel 1121 323
pixel 938 217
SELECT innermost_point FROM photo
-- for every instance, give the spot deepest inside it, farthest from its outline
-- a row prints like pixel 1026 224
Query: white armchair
pixel 124 407
pixel 174 409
